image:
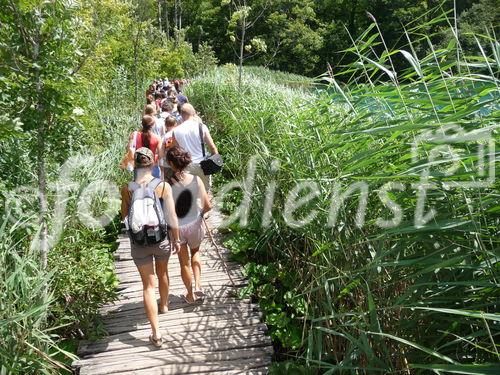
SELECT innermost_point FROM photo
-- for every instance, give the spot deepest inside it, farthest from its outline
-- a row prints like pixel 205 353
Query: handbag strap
pixel 200 127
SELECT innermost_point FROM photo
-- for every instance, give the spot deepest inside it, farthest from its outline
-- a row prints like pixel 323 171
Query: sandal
pixel 184 297
pixel 157 343
pixel 199 293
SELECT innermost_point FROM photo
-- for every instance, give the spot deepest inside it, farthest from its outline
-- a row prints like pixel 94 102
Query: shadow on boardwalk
pixel 222 335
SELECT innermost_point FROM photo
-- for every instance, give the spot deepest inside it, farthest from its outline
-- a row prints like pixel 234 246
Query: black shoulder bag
pixel 213 163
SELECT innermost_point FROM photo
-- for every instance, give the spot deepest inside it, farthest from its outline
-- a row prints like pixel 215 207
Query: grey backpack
pixel 145 221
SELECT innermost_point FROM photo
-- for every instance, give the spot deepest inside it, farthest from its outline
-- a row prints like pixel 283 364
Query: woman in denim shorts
pixel 149 259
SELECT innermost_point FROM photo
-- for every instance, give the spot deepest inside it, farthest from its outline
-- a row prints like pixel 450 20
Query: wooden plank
pixel 143 334
pixel 178 345
pixel 174 279
pixel 250 335
pixel 209 286
pixel 187 317
pixel 227 367
pixel 163 358
pixel 140 337
pixel 176 305
pixel 222 295
pixel 191 323
pixel 197 310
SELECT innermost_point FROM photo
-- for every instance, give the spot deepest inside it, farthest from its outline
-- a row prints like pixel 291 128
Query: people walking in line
pixel 178 84
pixel 162 96
pixel 166 143
pixel 189 136
pixel 150 99
pixel 175 111
pixel 150 249
pixel 146 138
pixel 191 203
pixel 159 127
pixel 167 109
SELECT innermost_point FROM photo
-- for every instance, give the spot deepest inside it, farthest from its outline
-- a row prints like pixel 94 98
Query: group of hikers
pixel 163 208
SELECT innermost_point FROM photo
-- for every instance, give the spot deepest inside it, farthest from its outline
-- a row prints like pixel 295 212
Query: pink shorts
pixel 192 234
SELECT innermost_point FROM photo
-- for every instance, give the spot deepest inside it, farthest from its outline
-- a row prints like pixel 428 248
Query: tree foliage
pixel 304 36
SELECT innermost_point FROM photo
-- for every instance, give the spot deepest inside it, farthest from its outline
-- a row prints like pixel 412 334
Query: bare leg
pixel 163 283
pixel 196 267
pixel 148 292
pixel 186 272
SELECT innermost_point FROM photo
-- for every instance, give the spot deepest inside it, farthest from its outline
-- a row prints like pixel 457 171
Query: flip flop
pixel 160 311
pixel 199 293
pixel 157 343
pixel 184 297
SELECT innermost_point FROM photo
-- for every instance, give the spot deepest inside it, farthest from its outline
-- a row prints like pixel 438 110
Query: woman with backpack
pixel 191 203
pixel 147 207
pixel 146 138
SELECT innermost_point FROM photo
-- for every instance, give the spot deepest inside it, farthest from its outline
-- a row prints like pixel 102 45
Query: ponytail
pixel 147 125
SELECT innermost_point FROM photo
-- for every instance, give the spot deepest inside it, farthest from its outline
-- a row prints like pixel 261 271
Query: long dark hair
pixel 147 125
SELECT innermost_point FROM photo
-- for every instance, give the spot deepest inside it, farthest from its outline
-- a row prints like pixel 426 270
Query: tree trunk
pixel 136 74
pixel 176 24
pixel 159 14
pixel 167 22
pixel 242 49
pixel 42 195
pixel 180 14
pixel 41 172
pixel 200 33
pixel 352 18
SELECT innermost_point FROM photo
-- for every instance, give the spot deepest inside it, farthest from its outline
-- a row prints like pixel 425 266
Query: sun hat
pixel 143 157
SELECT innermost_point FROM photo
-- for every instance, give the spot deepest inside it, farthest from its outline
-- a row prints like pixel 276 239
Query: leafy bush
pixel 179 61
pixel 85 280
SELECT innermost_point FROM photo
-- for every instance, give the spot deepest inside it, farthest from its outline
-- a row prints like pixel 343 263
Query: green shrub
pixel 85 280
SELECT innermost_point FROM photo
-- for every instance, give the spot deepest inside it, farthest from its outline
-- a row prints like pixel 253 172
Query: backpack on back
pixel 145 221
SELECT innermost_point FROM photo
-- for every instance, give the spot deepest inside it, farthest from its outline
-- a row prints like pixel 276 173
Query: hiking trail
pixel 224 334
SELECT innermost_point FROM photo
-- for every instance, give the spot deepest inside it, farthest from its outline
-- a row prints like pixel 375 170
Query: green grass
pixel 366 299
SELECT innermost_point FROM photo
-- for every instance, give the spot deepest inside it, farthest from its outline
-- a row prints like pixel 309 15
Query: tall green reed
pixel 405 299
pixel 27 342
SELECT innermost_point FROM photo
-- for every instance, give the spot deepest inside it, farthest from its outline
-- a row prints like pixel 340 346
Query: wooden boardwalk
pixel 222 335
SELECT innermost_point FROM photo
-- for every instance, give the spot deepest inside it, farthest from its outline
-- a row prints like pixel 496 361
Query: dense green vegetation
pixel 304 36
pixel 363 294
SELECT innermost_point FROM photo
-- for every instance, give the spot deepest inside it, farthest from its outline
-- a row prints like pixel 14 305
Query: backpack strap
pixel 200 128
pixel 154 183
pixel 133 186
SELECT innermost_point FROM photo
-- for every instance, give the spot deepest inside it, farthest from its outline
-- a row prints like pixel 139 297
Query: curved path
pixel 222 335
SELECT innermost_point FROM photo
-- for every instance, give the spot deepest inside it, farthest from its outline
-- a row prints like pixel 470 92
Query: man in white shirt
pixel 187 136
